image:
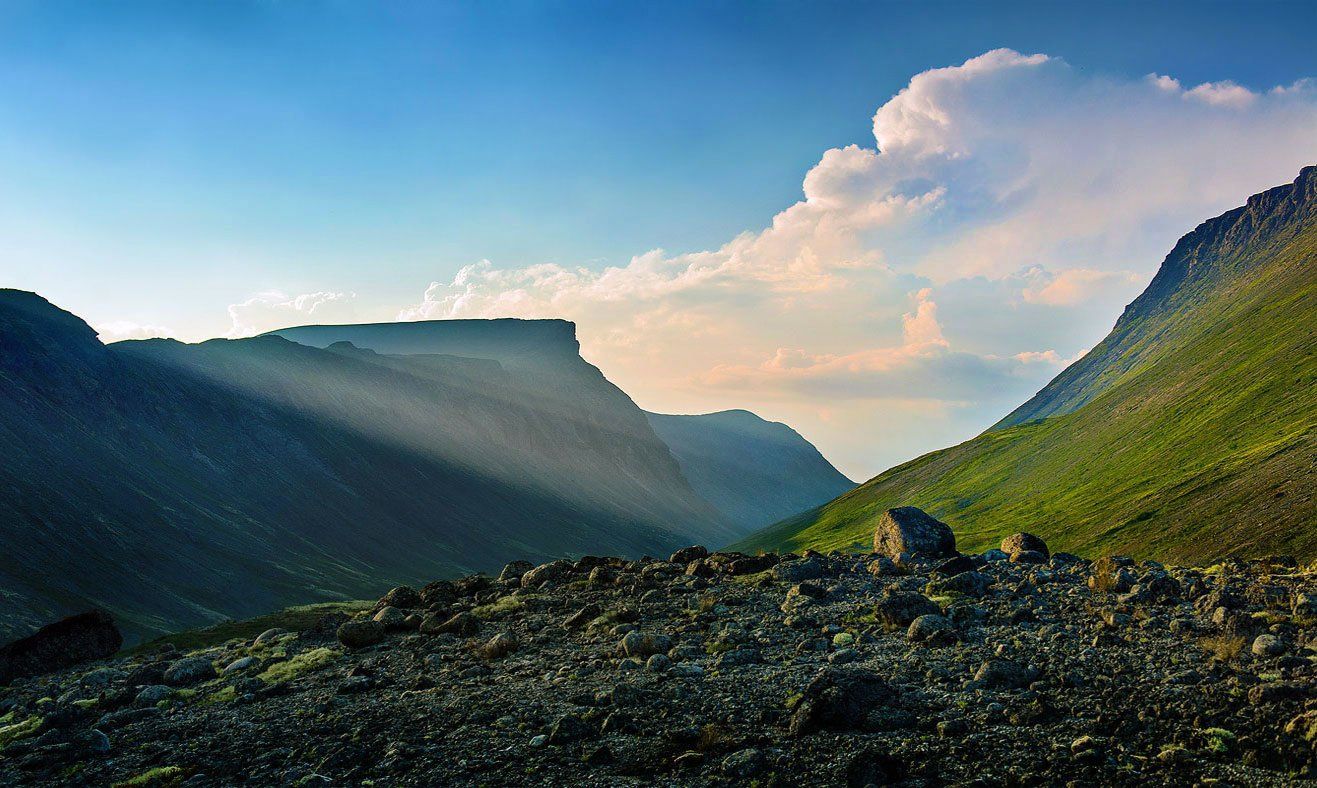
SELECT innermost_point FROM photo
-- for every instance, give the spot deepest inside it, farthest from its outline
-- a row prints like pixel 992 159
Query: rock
pixel 118 719
pixel 801 596
pixel 956 565
pixel 360 633
pixel 1085 748
pixel 1003 674
pixel 931 628
pixel 544 573
pixel 1028 557
pixel 899 608
pixel 392 619
pixel 439 594
pixel 499 646
pixel 1267 646
pixel 513 571
pixel 462 624
pixel 838 698
pixel 751 564
pixel 910 531
pixel 151 695
pixel 65 643
pixel 687 554
pixel 873 767
pixel 843 656
pixel 738 657
pixel 402 597
pixel 269 636
pixel 637 644
pixel 569 728
pixel 583 616
pixel 743 764
pixel 240 664
pixel 1021 542
pixel 1275 691
pixel 971 584
pixel 995 556
pixel 798 570
pixel 658 663
pixel 188 671
pixel 102 678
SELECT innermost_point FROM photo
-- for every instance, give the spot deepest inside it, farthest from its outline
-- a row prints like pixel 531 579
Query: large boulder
pixel 1022 542
pixel 81 638
pixel 911 531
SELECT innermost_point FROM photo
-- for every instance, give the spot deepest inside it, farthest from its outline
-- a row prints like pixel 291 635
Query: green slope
pixel 1188 434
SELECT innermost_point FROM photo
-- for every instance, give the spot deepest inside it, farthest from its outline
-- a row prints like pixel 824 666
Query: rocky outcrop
pixel 81 638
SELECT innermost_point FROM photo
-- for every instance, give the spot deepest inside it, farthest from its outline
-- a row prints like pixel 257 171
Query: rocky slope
pixel 1189 433
pixel 753 471
pixel 992 669
pixel 175 485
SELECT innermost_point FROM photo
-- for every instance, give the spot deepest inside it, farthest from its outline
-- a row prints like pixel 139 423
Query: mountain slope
pixel 1189 433
pixel 176 485
pixel 754 471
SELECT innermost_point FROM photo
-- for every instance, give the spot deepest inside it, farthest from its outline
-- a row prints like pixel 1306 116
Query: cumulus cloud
pixel 119 330
pixel 271 309
pixel 1005 210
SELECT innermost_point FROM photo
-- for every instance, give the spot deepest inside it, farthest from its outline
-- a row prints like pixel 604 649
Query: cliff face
pixel 178 484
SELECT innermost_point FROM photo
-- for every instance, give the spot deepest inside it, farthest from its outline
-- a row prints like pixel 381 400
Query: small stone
pixel 241 664
pixel 931 628
pixel 151 695
pixel 843 656
pixel 1022 542
pixel 1267 646
pixel 392 619
pixel 269 636
pixel 539 741
pixel 514 570
pixel 569 728
pixel 687 554
pixel 360 633
pixel 188 671
pixel 637 644
pixel 499 646
pixel 743 763
pixel 402 597
pixel 658 663
pixel 583 616
pixel 1003 674
pixel 1028 557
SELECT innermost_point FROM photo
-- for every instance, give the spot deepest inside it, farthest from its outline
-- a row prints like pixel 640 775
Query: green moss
pixel 1219 740
pixel 306 662
pixel 19 730
pixel 161 775
pixel 500 607
pixel 225 695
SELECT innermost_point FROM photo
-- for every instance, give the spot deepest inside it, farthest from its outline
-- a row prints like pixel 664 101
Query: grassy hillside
pixel 1189 434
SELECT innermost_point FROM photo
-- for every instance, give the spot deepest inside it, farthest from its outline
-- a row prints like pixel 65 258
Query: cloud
pixel 271 309
pixel 1004 211
pixel 119 330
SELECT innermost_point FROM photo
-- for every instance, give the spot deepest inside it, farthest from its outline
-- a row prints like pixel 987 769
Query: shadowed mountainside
pixel 176 485
pixel 754 471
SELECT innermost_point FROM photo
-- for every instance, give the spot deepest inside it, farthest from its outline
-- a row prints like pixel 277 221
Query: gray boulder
pixel 910 531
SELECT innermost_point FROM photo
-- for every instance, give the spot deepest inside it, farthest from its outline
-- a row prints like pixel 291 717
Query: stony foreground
pixel 709 669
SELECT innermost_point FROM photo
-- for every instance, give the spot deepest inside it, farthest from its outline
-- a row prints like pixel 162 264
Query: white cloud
pixel 1022 203
pixel 271 309
pixel 119 330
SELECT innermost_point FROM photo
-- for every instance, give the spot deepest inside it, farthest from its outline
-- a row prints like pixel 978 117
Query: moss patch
pixel 306 662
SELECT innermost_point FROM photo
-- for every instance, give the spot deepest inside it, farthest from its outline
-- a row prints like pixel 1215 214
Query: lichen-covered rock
pixel 1016 543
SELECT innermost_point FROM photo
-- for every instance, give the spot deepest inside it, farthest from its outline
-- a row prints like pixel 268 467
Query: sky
pixel 885 224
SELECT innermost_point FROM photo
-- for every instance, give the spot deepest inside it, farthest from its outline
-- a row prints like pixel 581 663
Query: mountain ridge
pixel 1188 434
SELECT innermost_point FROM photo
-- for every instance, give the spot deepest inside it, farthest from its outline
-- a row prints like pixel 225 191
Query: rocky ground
pixel 996 669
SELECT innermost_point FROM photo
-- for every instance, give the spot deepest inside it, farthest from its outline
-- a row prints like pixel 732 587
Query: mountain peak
pixel 501 339
pixel 36 333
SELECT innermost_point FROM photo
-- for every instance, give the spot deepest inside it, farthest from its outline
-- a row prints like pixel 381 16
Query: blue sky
pixel 163 161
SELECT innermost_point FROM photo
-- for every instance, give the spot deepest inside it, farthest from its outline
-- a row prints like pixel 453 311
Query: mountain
pixel 753 471
pixel 176 485
pixel 1188 434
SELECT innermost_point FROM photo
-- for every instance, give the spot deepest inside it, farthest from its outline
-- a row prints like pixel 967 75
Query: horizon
pixel 979 205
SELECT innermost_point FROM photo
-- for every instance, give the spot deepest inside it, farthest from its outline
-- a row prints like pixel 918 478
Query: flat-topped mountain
pixel 177 484
pixel 1189 433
